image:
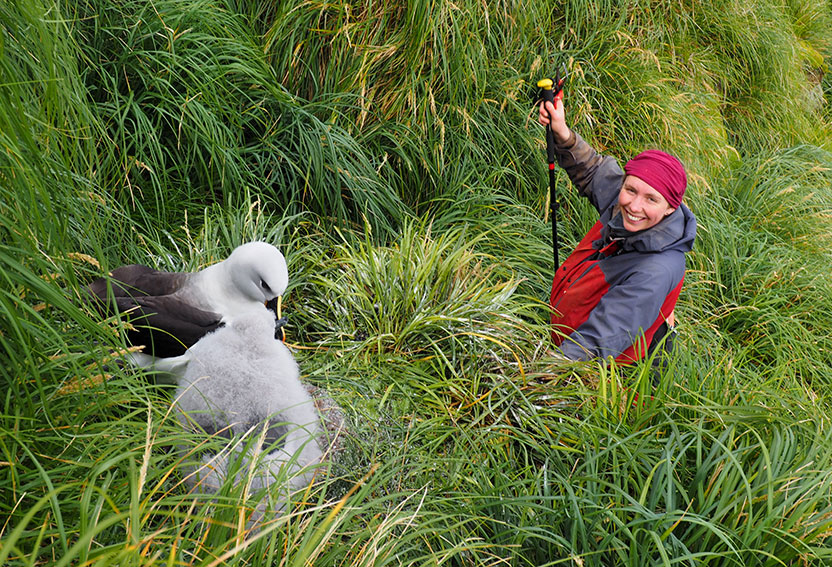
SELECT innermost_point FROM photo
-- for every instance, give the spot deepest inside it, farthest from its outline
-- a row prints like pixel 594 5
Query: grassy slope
pixel 391 150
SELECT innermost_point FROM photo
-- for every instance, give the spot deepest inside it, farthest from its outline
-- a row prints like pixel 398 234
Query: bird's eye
pixel 264 285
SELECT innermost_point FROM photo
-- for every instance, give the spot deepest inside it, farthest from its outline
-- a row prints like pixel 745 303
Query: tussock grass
pixel 424 294
pixel 768 288
pixel 391 151
pixel 195 115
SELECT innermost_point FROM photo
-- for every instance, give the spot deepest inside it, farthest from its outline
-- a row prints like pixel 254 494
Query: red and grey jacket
pixel 617 288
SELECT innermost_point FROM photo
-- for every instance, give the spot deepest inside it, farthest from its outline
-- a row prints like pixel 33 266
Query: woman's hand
pixel 553 114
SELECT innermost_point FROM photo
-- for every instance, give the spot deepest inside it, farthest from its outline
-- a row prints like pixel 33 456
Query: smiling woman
pixel 615 294
pixel 652 190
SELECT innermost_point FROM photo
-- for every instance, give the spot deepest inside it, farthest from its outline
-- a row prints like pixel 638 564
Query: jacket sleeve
pixel 622 315
pixel 597 177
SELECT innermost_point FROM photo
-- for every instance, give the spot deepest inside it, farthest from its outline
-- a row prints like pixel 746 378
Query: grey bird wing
pixel 163 323
pixel 136 280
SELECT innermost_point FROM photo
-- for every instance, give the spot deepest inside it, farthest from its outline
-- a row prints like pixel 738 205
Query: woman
pixel 615 294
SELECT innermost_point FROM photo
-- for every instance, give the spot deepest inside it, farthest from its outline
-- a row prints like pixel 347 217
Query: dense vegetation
pixel 391 150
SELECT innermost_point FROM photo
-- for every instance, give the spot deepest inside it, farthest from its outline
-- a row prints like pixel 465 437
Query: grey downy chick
pixel 239 381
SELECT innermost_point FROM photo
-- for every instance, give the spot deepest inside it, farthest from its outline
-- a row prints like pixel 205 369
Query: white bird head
pixel 258 270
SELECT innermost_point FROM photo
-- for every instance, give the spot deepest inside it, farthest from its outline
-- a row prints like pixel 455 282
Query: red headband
pixel 662 172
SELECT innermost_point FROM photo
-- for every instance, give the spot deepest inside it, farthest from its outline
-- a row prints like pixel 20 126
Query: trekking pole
pixel 549 90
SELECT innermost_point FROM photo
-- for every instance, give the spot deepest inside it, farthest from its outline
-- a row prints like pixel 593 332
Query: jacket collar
pixel 676 231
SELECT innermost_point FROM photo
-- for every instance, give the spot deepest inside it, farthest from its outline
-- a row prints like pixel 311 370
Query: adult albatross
pixel 170 311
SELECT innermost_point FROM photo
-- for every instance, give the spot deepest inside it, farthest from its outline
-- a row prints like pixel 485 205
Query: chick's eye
pixel 264 285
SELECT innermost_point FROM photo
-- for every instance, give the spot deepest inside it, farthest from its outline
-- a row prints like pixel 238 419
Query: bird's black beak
pixel 275 305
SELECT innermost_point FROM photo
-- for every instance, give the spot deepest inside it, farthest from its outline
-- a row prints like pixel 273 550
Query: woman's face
pixel 642 206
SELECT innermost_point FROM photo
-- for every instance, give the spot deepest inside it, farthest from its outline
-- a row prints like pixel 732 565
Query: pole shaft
pixel 548 95
pixel 553 210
